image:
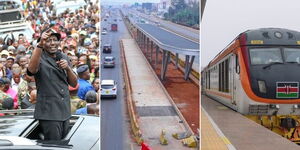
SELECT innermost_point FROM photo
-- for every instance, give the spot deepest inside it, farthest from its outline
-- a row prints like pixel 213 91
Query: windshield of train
pixel 261 56
pixel 292 55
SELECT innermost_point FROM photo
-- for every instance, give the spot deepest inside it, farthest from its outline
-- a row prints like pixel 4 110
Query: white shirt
pixel 14 85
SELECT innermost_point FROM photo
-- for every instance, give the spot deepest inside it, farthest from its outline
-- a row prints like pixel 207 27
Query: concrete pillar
pixel 151 49
pixel 166 60
pixel 176 63
pixel 156 55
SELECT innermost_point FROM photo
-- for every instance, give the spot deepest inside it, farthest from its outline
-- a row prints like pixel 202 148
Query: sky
pixel 118 2
pixel 223 21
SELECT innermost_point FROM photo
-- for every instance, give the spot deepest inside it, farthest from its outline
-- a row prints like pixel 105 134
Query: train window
pixel 261 56
pixel 224 76
pixel 237 65
pixel 292 55
pixel 220 77
pixel 208 79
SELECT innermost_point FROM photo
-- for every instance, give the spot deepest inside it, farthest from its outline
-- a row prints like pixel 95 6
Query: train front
pixel 271 76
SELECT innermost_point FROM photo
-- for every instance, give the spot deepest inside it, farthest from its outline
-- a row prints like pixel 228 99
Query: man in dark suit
pixel 53 74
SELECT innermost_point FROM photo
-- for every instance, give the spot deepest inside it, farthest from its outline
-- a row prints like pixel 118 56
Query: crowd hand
pixel 2 67
pixel 63 64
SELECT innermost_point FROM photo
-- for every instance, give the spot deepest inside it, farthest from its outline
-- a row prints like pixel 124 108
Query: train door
pixel 234 77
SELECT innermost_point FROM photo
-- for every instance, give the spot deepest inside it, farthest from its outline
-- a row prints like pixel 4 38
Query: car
pixel 104 32
pixel 108 89
pixel 109 62
pixel 106 48
pixel 23 127
pixel 157 23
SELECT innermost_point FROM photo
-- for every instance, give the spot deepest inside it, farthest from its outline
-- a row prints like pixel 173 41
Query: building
pixel 163 6
pixel 147 6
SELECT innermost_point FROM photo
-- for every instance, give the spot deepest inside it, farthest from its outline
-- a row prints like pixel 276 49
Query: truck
pixel 114 27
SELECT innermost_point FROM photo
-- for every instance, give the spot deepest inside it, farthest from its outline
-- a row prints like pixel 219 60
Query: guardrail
pixel 130 105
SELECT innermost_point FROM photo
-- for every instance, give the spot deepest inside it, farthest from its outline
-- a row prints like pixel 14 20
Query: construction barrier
pixel 130 105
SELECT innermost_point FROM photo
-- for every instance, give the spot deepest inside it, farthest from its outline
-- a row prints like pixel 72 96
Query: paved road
pixel 168 38
pixel 194 34
pixel 114 126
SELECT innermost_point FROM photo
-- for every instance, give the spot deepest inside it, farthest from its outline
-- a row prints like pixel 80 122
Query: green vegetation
pixel 182 13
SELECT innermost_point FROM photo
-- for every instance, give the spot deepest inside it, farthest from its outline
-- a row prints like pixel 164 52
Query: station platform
pixel 154 109
pixel 236 131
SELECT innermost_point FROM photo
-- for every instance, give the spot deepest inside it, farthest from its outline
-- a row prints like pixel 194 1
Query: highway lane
pixel 168 38
pixel 194 34
pixel 114 126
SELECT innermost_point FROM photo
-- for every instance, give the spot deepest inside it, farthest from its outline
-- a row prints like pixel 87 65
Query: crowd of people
pixel 79 32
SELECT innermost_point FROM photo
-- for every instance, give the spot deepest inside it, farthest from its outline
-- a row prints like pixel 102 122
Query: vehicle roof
pixel 14 125
pixel 107 82
pixel 107 44
pixel 87 129
pixel 109 57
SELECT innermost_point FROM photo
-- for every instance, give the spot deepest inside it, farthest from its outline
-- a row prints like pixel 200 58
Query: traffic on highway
pixel 122 87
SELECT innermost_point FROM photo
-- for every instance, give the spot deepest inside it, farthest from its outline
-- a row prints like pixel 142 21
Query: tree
pixel 180 12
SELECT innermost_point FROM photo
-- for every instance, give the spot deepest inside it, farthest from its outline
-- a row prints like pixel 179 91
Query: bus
pixel 114 27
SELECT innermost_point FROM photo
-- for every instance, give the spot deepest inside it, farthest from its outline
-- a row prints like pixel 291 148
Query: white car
pixel 108 88
pixel 104 32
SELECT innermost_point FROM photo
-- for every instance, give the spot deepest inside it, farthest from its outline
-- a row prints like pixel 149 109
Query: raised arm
pixel 34 63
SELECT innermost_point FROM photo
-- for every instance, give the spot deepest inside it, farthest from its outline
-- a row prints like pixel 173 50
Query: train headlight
pixel 295 106
pixel 262 86
pixel 274 106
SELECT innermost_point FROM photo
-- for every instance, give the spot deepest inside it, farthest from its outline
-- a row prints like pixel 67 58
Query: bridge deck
pixel 168 38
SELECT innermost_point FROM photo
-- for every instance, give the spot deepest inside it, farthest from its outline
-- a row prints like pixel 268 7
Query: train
pixel 258 75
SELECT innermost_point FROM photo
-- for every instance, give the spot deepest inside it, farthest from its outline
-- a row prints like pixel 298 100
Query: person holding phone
pixel 53 73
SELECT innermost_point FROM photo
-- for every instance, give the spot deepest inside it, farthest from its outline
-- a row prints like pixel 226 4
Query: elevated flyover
pixel 151 37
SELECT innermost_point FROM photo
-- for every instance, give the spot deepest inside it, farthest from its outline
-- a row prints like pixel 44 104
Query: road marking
pixel 192 40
